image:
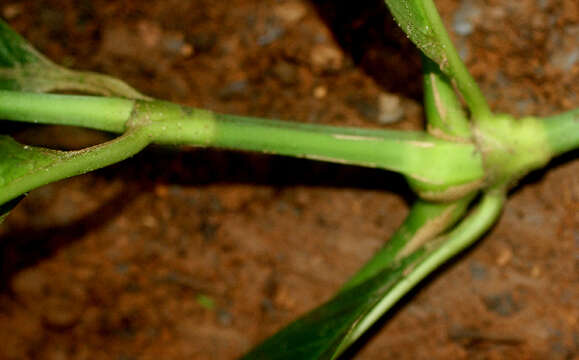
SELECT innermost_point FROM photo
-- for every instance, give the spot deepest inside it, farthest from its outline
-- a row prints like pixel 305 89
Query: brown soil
pixel 200 254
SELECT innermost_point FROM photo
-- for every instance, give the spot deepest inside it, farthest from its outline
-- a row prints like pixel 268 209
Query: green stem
pixel 94 112
pixel 71 163
pixel 444 115
pixel 562 131
pixel 418 155
pixel 425 221
pixel 461 237
pixel 415 154
pixel 454 66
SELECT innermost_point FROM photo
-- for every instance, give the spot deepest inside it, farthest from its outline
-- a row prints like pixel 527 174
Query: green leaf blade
pixel 14 50
pixel 23 68
pixel 419 19
pixel 319 333
pixel 17 160
pixel 412 18
pixel 23 168
pixel 328 330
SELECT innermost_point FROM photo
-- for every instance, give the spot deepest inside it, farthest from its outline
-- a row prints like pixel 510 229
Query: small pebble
pixel 326 58
pixel 161 190
pixel 267 306
pixel 468 13
pixel 286 73
pixel 390 108
pixel 478 271
pixel 30 284
pixel 290 12
pixel 369 110
pixel 320 92
pixel 565 60
pixel 271 35
pixel 61 312
pixel 202 42
pixel 150 222
pixel 149 33
pixel 224 317
pixel 186 50
pixel 208 230
pixel 502 304
pixel 173 43
pixel 233 90
pixel 11 11
pixel 536 271
pixel 504 257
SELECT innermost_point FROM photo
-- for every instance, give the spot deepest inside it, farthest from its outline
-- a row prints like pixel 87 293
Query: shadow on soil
pixel 21 248
pixel 368 33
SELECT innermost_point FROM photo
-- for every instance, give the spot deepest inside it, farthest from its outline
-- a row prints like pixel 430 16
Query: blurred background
pixel 200 254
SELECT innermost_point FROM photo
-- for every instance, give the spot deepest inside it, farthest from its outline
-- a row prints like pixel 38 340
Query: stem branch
pixel 461 237
pixel 418 155
pixel 562 131
pixel 71 163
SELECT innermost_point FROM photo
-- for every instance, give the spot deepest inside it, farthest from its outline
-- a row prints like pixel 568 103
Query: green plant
pixel 447 167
